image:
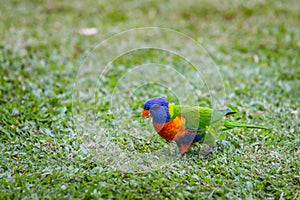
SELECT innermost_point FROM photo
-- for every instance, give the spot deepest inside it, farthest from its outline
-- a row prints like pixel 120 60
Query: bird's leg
pixel 184 142
pixel 183 147
pixel 211 150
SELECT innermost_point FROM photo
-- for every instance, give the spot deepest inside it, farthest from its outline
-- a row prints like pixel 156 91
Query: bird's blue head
pixel 158 109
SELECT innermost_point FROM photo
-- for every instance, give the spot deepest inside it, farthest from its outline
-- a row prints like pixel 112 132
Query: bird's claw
pixel 209 152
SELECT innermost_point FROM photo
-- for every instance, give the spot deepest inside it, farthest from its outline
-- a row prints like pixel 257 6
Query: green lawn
pixel 70 130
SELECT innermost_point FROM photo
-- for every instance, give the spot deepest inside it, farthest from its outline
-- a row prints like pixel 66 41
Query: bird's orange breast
pixel 171 130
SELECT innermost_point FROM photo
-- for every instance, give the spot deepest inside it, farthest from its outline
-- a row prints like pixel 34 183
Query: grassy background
pixel 256 46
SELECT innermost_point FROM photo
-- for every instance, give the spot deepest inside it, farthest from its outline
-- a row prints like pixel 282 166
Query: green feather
pixel 198 118
pixel 230 125
pixel 206 120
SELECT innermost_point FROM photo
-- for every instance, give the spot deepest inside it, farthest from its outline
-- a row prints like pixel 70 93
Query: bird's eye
pixel 155 107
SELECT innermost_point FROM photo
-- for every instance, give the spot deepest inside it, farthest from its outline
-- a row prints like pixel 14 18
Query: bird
pixel 187 125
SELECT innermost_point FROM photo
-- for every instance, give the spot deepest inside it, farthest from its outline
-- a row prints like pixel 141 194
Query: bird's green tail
pixel 230 125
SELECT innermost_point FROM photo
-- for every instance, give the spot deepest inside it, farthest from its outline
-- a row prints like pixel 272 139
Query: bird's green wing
pixel 202 120
pixel 196 118
pixel 206 121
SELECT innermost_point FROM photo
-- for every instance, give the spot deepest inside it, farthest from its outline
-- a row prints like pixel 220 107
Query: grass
pixel 44 152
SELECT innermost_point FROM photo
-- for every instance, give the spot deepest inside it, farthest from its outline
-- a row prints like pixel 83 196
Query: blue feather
pixel 159 109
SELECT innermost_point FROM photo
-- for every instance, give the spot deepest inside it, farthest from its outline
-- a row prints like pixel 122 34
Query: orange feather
pixel 171 130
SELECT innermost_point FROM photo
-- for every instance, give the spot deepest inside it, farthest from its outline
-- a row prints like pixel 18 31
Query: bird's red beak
pixel 146 114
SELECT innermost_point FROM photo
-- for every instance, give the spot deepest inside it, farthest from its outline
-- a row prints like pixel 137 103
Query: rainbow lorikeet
pixel 188 124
